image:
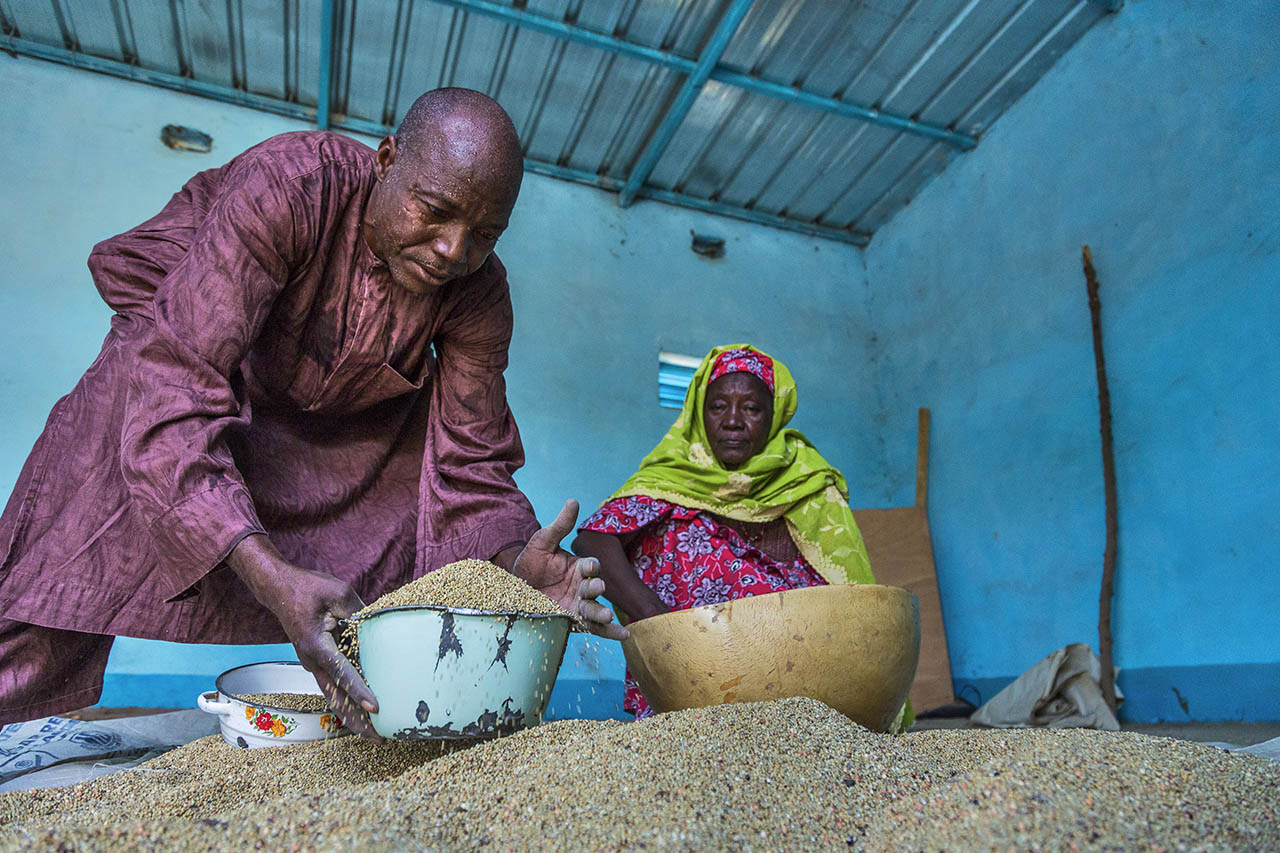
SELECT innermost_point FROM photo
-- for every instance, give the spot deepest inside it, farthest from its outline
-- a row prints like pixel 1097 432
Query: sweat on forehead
pixel 469 120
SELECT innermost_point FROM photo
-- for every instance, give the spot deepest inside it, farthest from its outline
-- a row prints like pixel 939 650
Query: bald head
pixel 468 125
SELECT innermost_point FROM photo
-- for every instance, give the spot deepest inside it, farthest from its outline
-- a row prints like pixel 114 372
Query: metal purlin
pixel 715 48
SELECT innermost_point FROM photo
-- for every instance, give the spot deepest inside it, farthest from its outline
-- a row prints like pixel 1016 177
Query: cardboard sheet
pixel 901 554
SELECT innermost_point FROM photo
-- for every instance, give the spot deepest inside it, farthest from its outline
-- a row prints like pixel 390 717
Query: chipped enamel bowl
pixel 249 725
pixel 441 672
pixel 851 646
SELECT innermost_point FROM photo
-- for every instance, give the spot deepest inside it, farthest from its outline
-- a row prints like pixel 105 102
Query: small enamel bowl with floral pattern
pixel 247 725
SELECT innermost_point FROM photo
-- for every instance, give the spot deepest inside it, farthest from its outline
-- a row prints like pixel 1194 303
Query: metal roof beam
pixel 715 48
pixel 842 235
pixel 666 59
pixel 572 32
pixel 854 111
pixel 323 91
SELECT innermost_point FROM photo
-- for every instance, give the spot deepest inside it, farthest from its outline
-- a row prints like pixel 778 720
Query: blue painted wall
pixel 1155 140
pixel 597 291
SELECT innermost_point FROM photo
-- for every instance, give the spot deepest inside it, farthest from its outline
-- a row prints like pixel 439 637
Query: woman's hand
pixel 570 581
pixel 622 583
pixel 309 605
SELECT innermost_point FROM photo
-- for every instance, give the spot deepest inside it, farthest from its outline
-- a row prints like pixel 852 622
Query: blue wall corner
pixel 1167 171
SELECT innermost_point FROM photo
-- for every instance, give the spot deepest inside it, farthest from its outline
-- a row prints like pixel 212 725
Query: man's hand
pixel 309 605
pixel 570 581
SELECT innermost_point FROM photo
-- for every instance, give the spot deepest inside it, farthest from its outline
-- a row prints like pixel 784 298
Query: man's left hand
pixel 572 582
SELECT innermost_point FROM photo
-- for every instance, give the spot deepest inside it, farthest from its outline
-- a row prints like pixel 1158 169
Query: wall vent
pixel 674 373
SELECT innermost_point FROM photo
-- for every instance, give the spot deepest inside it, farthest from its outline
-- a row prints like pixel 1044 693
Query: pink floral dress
pixel 691 558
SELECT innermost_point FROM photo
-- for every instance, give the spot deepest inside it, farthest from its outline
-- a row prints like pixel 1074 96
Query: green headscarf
pixel 788 478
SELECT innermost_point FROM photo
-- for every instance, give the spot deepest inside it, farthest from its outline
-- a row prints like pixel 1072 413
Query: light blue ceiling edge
pixel 229 95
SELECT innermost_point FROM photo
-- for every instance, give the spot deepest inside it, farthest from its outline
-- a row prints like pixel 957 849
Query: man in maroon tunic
pixel 300 405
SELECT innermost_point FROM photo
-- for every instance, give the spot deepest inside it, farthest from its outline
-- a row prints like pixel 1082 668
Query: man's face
pixel 435 215
pixel 737 413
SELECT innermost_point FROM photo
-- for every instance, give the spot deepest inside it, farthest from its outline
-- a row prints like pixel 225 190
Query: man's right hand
pixel 309 605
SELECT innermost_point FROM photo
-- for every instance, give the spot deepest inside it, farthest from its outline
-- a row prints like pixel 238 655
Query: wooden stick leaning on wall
pixel 922 459
pixel 1109 488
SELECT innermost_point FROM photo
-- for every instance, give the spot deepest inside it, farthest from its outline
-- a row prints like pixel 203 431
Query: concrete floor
pixel 1234 733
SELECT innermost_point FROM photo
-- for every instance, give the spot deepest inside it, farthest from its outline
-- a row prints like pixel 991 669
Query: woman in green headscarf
pixel 731 503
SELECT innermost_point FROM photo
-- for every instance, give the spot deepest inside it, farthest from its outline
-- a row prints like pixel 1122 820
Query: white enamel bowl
pixel 249 725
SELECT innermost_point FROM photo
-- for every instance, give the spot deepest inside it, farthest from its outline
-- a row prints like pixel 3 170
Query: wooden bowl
pixel 851 646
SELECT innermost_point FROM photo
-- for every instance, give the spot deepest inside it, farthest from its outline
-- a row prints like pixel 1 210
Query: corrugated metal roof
pixel 821 116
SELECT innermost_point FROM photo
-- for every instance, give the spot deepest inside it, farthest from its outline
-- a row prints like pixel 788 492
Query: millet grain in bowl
pixel 466 585
pixel 301 702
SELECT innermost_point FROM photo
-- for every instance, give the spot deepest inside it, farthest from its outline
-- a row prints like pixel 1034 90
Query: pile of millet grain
pixel 788 774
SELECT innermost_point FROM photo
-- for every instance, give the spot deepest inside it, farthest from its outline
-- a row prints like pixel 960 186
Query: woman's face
pixel 737 413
